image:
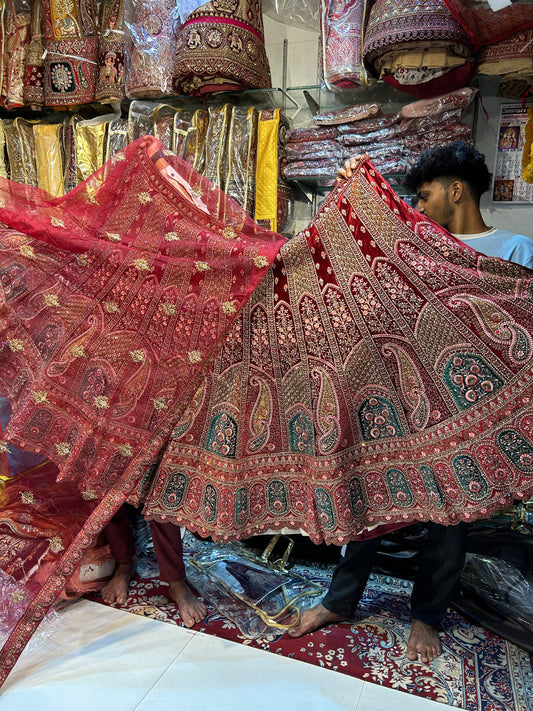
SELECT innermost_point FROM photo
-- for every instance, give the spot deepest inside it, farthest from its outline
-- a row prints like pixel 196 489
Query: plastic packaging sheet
pixel 342 26
pixel 241 157
pixel 384 134
pixel 312 150
pixel 458 99
pixel 151 28
pixel 193 145
pixel 347 114
pixel 369 125
pixel 312 134
pixel 110 75
pixel 256 597
pixel 319 169
pixel 502 585
pixel 304 14
pixel 216 141
pixel 15 19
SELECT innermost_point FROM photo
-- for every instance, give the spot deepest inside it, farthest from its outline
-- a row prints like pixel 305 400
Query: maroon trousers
pixel 167 544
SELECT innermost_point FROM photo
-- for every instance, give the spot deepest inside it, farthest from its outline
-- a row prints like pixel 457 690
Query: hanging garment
pixel 512 60
pixel 221 47
pixel 377 374
pixel 34 64
pixel 71 51
pixel 342 25
pixel 111 60
pixel 15 19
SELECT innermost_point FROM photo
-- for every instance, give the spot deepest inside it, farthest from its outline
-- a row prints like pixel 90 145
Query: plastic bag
pixel 458 99
pixel 304 14
pixel 347 114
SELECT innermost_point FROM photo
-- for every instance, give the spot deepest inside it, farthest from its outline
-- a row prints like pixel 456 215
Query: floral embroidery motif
pixel 111 307
pixel 51 300
pixel 78 351
pixel 138 356
pixel 229 233
pixel 260 261
pixel 126 450
pixel 113 237
pixel 89 495
pixel 145 198
pixel 160 403
pixel 27 251
pixel 202 266
pixel 195 356
pixel 40 396
pixel 228 307
pixel 17 596
pixel 27 497
pixel 56 544
pixel 141 265
pixel 172 237
pixel 101 402
pixel 4 447
pixel 56 222
pixel 63 449
pixel 82 260
pixel 169 309
pixel 16 345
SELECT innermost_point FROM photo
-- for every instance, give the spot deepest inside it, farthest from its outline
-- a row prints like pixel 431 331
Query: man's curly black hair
pixel 456 161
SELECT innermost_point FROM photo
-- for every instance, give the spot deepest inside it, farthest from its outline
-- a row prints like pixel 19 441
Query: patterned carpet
pixel 477 671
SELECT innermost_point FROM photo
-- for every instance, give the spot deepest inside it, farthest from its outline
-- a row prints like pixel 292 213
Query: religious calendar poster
pixel 508 186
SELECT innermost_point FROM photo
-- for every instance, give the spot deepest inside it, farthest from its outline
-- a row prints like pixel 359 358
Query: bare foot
pixel 313 619
pixel 192 610
pixel 116 590
pixel 424 642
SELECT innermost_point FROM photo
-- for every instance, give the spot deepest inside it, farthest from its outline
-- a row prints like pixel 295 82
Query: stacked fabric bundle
pixel 417 46
pixel 392 140
pixel 512 59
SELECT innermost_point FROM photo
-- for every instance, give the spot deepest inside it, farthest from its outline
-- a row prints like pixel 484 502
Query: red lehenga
pixel 370 372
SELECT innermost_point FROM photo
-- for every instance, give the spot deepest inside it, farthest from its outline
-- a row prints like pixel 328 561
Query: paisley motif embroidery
pixel 517 449
pixel 377 419
pixel 222 437
pixel 301 434
pixel 470 379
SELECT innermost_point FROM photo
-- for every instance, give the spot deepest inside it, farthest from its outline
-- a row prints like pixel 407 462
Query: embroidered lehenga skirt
pixel 370 372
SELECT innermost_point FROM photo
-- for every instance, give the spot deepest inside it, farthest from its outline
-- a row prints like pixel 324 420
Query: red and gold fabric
pixel 484 25
pixel 341 41
pixel 221 47
pixel 161 348
pixel 34 65
pixel 15 19
pixel 111 60
pixel 71 46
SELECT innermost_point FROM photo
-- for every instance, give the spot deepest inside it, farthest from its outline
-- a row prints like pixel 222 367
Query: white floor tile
pixel 382 698
pixel 97 658
pixel 101 658
pixel 212 672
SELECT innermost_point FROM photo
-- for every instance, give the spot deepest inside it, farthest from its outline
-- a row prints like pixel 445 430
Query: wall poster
pixel 507 185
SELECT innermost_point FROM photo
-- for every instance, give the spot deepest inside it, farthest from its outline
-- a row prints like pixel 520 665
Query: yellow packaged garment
pixel 527 156
pixel 48 158
pixel 267 171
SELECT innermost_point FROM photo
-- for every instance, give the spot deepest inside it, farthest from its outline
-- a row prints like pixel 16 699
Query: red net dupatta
pixel 114 298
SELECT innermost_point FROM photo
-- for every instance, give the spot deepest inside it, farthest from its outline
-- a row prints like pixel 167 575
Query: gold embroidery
pixel 15 344
pixel 119 156
pixel 113 236
pixel 27 497
pixel 141 265
pixel 172 237
pixel 56 544
pixel 78 351
pixel 4 447
pixel 228 307
pixel 169 309
pixel 125 450
pixel 144 198
pixel 17 596
pixel 228 233
pixel 57 222
pixel 101 402
pixel 51 300
pixel 202 266
pixel 111 307
pixel 160 403
pixel 82 260
pixel 260 261
pixel 195 356
pixel 63 449
pixel 27 251
pixel 89 495
pixel 40 396
pixel 137 356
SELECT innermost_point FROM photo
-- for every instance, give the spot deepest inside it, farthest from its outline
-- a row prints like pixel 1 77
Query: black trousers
pixel 441 562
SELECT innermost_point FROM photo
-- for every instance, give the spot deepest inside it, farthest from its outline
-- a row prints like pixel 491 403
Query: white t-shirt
pixel 501 243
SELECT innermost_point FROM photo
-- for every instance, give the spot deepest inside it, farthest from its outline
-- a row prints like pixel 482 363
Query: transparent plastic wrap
pixel 193 143
pixel 313 150
pixel 221 47
pixel 163 118
pixel 325 169
pixel 257 596
pixel 458 99
pixel 369 125
pixel 341 42
pixel 111 60
pixel 423 141
pixel 4 171
pixel 384 134
pixel 501 590
pixel 69 152
pixel 304 14
pixel 151 29
pixel 34 63
pixel 90 144
pixel 48 158
pixel 181 126
pixel 140 119
pixel 216 141
pixel 241 157
pixel 431 122
pixel 117 137
pixel 15 23
pixel 316 133
pixel 347 114
pixel 20 151
pixel 70 29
